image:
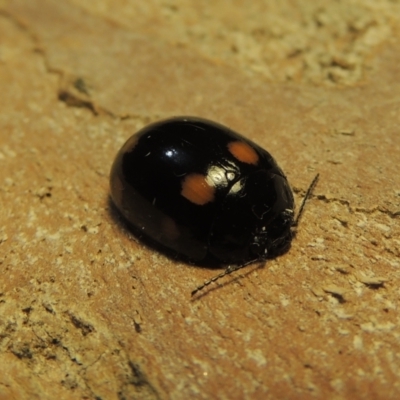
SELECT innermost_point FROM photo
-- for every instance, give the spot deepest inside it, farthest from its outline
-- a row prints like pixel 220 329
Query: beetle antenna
pixel 228 271
pixel 307 195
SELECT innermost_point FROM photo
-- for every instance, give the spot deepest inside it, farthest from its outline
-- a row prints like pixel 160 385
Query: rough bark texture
pixel 89 312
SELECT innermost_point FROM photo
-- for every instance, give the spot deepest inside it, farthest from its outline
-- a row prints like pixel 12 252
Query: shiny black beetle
pixel 205 192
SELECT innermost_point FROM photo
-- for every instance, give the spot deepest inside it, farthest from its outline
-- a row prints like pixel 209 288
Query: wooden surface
pixel 89 312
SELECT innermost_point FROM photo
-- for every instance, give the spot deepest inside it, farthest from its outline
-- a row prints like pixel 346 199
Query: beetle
pixel 204 192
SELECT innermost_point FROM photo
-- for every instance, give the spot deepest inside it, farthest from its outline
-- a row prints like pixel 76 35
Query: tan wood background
pixel 89 312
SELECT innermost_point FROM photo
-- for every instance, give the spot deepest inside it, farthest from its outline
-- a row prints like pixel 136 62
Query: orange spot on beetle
pixel 196 189
pixel 243 152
